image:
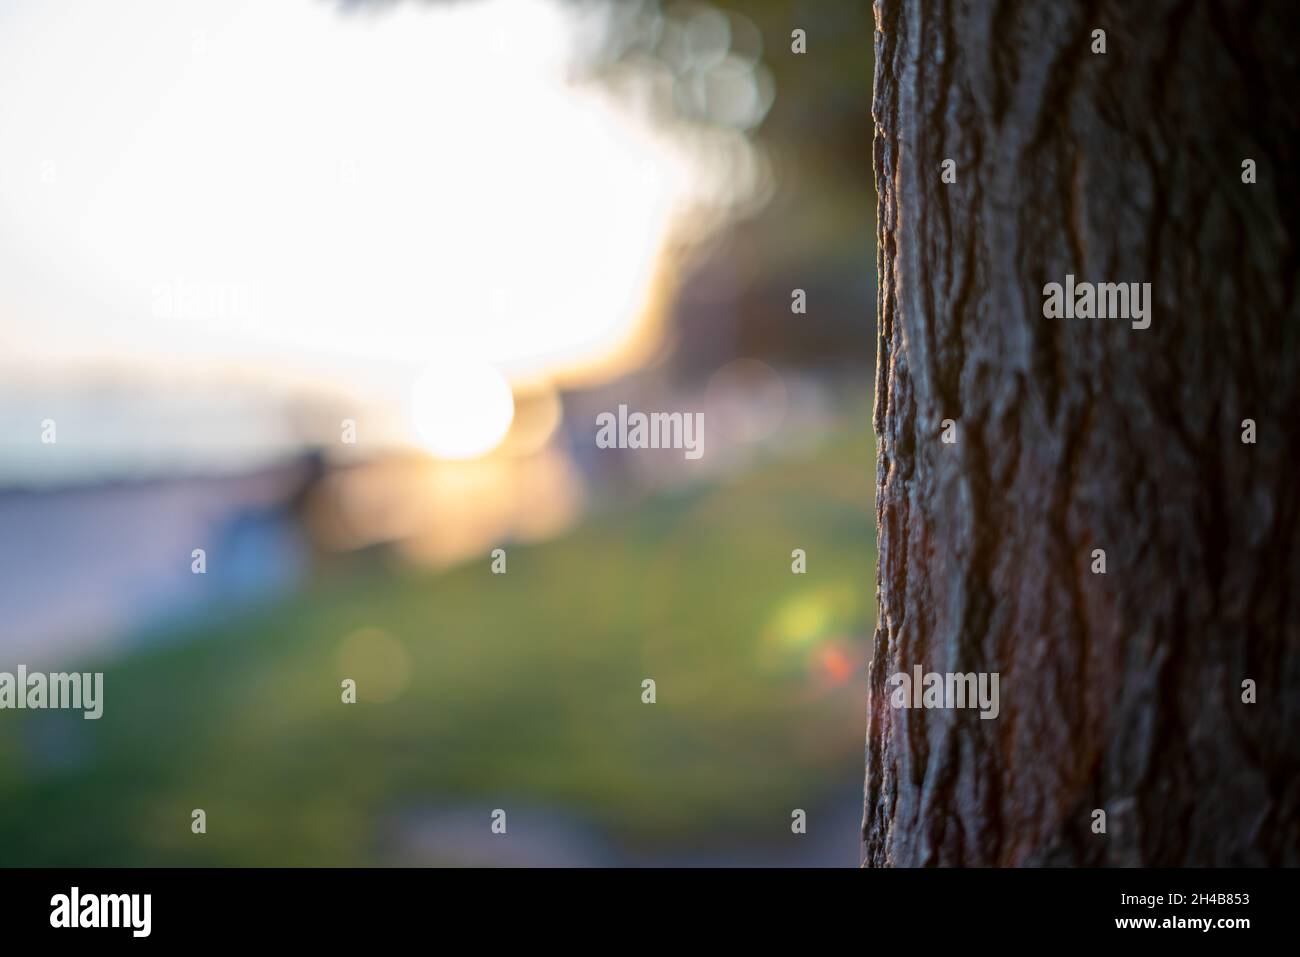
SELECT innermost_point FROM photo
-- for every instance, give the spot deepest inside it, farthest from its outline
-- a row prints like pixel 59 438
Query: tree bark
pixel 1119 691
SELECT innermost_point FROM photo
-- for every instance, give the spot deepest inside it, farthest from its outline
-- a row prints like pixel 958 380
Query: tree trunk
pixel 1122 691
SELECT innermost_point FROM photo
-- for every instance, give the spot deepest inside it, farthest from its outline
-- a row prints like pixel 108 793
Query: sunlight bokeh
pixel 288 191
pixel 461 410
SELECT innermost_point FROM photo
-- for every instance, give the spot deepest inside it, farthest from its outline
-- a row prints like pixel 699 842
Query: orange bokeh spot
pixel 835 664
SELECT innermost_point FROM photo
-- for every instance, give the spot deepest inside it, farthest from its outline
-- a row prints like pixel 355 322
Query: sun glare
pixel 461 410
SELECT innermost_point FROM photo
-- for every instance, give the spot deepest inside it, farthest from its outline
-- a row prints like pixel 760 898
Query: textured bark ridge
pixel 1119 691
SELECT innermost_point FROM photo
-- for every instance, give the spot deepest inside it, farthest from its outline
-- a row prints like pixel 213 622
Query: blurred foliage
pixel 818 135
pixel 523 689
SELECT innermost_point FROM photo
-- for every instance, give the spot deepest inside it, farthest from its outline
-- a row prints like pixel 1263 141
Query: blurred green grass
pixel 521 687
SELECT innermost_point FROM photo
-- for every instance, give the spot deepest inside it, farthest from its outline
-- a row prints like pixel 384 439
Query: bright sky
pixel 294 189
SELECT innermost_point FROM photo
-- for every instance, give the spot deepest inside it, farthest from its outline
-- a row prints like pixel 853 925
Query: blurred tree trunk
pixel 1119 691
